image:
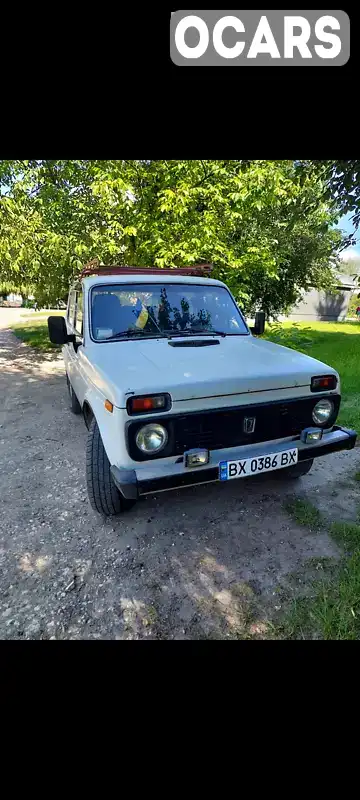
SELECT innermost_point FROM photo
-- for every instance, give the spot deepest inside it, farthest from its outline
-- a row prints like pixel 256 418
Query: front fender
pixel 111 426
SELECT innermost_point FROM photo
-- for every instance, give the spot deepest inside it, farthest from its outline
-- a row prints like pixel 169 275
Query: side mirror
pixel 259 327
pixel 58 332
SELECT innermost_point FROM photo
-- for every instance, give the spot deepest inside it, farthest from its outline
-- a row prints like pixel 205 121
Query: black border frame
pixel 168 111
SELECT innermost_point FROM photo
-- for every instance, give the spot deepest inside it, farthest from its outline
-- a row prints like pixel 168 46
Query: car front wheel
pixel 104 496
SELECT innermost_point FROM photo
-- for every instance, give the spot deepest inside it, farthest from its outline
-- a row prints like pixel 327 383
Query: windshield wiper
pixel 128 333
pixel 171 334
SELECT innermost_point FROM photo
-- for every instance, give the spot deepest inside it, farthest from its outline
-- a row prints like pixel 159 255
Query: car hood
pixel 237 365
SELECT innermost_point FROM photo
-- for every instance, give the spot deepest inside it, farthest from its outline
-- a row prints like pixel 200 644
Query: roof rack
pixel 197 270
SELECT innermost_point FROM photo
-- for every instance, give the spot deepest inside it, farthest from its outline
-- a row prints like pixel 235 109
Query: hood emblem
pixel 249 424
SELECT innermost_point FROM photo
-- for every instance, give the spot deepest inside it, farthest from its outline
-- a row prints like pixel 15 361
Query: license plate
pixel 246 467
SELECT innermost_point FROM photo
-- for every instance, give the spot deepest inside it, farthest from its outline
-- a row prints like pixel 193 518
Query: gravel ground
pixel 202 562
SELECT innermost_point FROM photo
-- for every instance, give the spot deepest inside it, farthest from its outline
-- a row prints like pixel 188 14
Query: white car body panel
pixel 238 365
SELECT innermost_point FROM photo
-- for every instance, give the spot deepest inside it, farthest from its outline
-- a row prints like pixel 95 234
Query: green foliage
pixel 263 224
pixel 294 336
pixel 353 305
pixel 343 180
pixel 341 187
pixel 349 266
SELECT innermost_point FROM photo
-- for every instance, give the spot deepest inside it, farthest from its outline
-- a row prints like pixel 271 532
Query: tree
pixel 349 266
pixel 341 186
pixel 343 183
pixel 263 224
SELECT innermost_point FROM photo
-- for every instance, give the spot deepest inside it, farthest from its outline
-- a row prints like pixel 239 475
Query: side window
pixel 79 313
pixel 71 308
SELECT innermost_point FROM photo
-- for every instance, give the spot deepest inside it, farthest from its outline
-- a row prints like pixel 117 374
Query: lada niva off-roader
pixel 176 390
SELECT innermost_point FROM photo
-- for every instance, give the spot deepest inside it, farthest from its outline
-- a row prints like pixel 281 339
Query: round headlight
pixel 151 438
pixel 322 411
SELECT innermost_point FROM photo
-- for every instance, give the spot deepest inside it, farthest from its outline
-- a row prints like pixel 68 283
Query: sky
pixel 346 225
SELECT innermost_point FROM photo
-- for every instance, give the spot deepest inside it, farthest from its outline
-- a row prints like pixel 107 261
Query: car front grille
pixel 215 430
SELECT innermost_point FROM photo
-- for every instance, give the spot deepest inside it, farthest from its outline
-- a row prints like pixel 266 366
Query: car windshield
pixel 145 310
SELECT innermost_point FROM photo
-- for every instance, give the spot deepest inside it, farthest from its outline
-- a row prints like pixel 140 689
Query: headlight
pixel 322 411
pixel 151 438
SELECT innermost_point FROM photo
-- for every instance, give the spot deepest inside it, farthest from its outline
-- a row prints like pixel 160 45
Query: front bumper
pixel 157 477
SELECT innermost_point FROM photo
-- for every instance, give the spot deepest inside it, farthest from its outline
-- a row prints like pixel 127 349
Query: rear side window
pixel 79 313
pixel 71 308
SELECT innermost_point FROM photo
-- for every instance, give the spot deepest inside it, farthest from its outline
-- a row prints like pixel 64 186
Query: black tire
pixel 74 403
pixel 104 496
pixel 297 471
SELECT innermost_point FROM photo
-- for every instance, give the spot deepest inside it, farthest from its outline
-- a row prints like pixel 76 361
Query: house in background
pixel 323 306
pixel 11 300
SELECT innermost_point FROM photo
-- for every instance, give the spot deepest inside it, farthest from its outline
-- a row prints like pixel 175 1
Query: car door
pixel 79 376
pixel 74 323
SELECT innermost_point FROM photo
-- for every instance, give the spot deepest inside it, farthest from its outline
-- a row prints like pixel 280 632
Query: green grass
pixel 33 330
pixel 346 534
pixel 336 344
pixel 332 611
pixel 304 513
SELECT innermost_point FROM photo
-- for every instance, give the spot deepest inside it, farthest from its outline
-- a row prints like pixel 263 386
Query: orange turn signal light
pixel 322 383
pixel 154 402
pixel 143 404
pixel 109 406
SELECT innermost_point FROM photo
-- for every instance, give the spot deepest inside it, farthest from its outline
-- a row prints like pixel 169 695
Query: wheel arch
pixel 88 413
pixel 110 424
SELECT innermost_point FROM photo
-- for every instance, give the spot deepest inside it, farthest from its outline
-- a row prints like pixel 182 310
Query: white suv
pixel 176 390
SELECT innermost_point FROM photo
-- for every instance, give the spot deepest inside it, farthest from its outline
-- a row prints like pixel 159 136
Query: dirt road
pixel 197 563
